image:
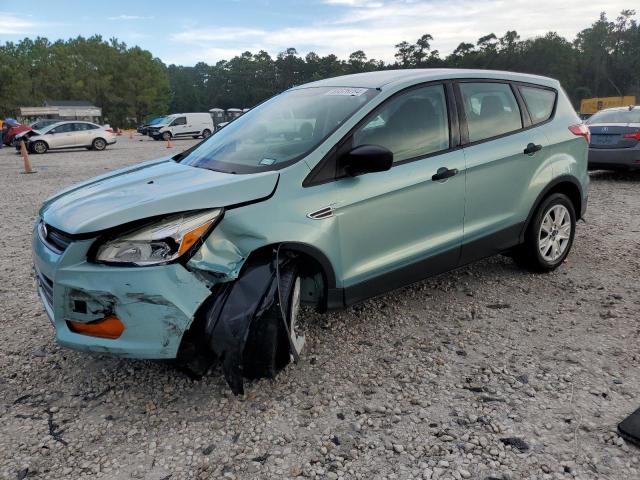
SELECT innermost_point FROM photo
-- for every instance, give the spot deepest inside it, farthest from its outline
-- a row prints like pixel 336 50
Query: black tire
pixel 206 133
pixel 166 136
pixel 194 136
pixel 39 147
pixel 267 349
pixel 529 255
pixel 99 144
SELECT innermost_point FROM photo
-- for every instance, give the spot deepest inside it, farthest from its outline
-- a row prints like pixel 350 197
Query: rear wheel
pixel 99 144
pixel 206 133
pixel 40 147
pixel 269 343
pixel 550 235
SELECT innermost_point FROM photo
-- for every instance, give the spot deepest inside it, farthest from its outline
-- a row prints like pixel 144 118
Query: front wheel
pixel 40 147
pixel 269 344
pixel 166 136
pixel 550 235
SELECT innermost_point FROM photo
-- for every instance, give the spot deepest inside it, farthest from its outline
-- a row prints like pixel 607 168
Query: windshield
pixel 280 131
pixel 615 116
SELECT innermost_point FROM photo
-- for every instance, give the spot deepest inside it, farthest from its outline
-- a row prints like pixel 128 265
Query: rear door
pixel 83 135
pixel 503 150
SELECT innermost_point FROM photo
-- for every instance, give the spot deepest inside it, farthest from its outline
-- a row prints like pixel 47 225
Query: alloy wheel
pixel 555 233
pixel 296 330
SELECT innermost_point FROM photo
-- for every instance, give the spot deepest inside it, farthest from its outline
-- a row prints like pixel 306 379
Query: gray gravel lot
pixel 484 373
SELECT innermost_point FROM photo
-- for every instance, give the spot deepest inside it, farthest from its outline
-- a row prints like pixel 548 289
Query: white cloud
pixel 376 26
pixel 130 17
pixel 197 36
pixel 12 24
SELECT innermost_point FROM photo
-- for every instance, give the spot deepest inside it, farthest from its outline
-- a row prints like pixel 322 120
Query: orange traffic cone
pixel 25 157
pixel 169 143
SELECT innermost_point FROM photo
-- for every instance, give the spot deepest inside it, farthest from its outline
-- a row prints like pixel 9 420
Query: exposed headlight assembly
pixel 160 242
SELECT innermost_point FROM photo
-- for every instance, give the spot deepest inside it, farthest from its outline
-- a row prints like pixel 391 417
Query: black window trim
pixel 525 116
pixel 455 140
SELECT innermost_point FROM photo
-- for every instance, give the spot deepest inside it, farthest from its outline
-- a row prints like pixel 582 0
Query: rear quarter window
pixel 539 102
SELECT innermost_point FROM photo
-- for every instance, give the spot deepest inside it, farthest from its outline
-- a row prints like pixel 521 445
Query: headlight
pixel 160 242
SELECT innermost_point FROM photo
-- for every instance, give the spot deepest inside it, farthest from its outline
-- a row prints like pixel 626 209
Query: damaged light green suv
pixel 327 194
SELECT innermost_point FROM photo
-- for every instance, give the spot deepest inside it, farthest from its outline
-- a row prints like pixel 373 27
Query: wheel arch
pixel 566 184
pixel 43 141
pixel 312 261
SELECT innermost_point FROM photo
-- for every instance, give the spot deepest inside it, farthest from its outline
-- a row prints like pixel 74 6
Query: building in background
pixel 63 110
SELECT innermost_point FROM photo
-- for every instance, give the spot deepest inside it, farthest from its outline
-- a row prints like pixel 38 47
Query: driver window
pixel 179 121
pixel 67 127
pixel 411 125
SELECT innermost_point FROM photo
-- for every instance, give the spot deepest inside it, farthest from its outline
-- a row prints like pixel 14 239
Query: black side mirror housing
pixel 367 159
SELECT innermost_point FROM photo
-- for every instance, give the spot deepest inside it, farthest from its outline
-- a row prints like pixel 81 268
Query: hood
pixel 155 188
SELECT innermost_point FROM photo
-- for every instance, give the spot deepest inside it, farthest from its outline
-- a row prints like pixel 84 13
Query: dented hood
pixel 147 190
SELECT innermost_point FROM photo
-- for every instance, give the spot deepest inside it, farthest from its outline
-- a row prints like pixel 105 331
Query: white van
pixel 180 125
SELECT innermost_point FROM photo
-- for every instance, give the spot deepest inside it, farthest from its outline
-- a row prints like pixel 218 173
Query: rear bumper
pixel 614 158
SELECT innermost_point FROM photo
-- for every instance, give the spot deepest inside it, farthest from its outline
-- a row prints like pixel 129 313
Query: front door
pixel 61 136
pixel 179 127
pixel 405 224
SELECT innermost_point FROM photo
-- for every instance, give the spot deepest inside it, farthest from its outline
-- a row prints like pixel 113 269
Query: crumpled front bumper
pixel 156 304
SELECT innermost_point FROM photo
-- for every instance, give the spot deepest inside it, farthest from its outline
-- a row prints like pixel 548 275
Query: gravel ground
pixel 484 373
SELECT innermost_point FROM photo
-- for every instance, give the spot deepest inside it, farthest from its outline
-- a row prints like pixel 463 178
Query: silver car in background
pixel 615 139
pixel 71 134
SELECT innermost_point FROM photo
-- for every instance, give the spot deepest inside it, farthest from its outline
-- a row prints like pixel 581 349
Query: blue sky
pixel 189 31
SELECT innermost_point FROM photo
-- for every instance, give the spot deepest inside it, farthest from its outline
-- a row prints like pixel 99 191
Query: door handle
pixel 443 173
pixel 532 148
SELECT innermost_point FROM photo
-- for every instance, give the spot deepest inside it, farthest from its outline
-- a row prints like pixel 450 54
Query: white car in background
pixel 70 134
pixel 181 125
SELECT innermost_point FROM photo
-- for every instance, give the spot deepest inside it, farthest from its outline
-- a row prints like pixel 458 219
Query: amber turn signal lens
pixel 192 237
pixel 108 327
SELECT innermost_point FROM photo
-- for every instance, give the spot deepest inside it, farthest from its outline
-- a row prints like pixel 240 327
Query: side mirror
pixel 367 159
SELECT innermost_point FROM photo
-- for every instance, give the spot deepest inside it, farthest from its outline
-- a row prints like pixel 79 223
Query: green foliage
pixel 129 83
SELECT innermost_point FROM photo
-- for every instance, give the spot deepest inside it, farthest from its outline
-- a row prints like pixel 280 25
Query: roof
pixel 68 103
pixel 383 78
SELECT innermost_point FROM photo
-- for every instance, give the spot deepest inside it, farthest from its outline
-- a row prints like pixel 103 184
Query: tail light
pixel 110 130
pixel 634 135
pixel 581 130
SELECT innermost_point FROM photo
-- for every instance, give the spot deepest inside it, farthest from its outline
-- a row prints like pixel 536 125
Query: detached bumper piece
pixel 245 321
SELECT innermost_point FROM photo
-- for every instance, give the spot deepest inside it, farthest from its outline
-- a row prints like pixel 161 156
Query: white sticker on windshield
pixel 267 161
pixel 347 92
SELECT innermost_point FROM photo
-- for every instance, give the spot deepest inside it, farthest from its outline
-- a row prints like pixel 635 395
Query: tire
pixel 99 144
pixel 166 136
pixel 206 133
pixel 40 147
pixel 268 345
pixel 549 237
pixel 194 136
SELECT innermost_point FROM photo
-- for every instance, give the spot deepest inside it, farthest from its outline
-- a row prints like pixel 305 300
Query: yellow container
pixel 593 105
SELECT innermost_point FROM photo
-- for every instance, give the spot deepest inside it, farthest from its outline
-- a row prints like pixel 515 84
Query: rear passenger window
pixel 491 109
pixel 413 124
pixel 539 102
